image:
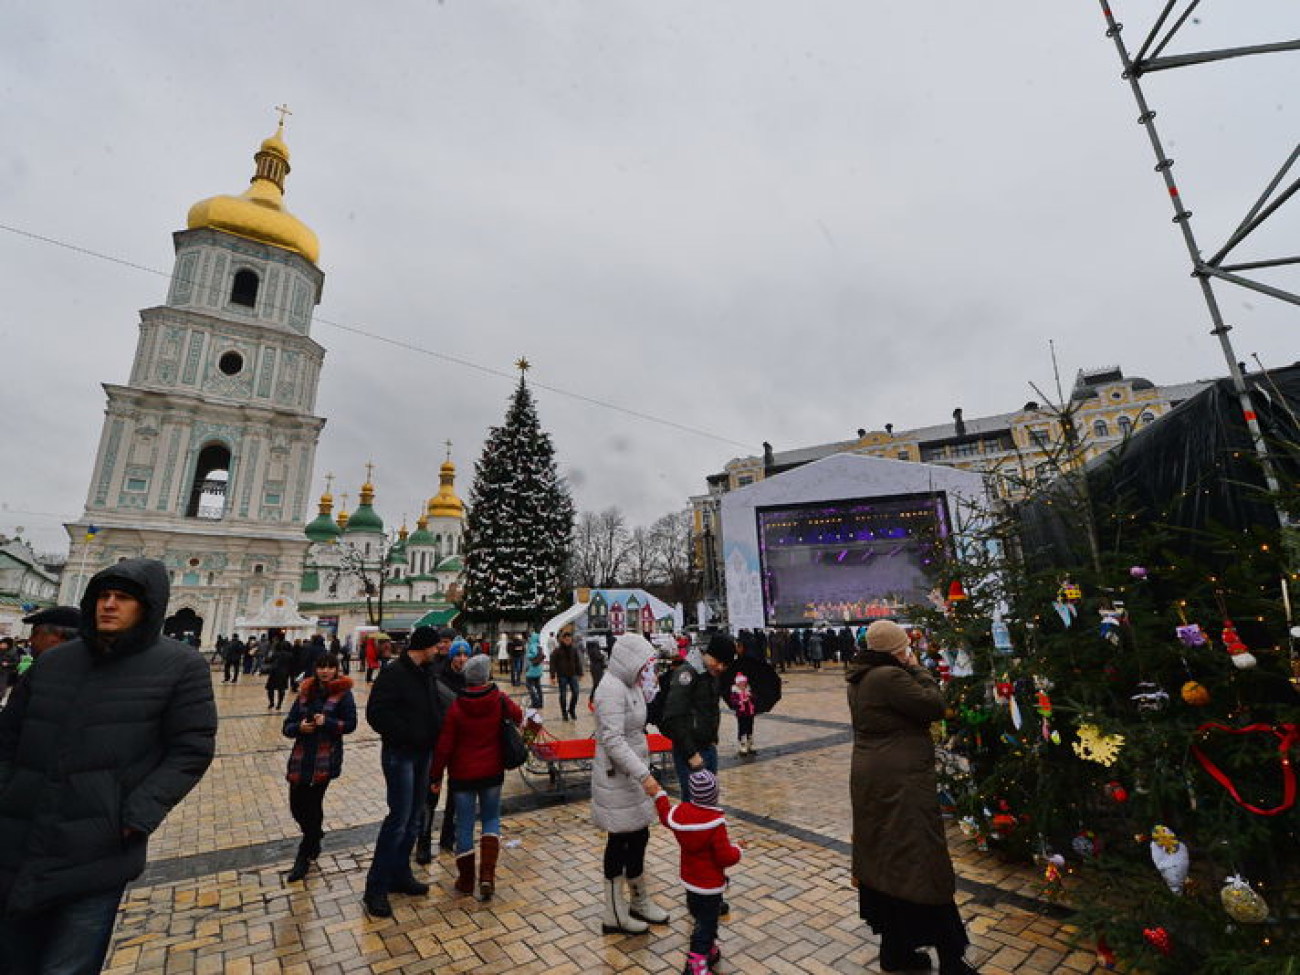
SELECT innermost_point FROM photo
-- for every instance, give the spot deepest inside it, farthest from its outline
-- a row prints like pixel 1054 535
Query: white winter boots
pixel 629 917
pixel 641 906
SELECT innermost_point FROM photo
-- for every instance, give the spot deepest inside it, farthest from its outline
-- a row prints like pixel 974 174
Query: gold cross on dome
pixel 448 443
pixel 329 483
pixel 522 364
pixel 370 470
pixel 283 110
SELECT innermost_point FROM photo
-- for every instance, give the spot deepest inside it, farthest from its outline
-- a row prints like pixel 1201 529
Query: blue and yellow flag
pixel 91 532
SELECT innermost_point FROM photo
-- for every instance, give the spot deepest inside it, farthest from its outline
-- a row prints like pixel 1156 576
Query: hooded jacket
pixel 618 803
pixel 469 747
pixel 707 851
pixel 101 741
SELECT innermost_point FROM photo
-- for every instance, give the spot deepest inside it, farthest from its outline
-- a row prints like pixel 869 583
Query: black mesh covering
pixel 1193 469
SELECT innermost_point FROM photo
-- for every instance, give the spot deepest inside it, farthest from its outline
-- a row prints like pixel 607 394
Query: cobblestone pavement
pixel 214 900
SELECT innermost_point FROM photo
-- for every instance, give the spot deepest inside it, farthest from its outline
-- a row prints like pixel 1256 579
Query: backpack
pixel 654 710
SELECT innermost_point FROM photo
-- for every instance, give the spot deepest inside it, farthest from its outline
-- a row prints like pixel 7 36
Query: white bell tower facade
pixel 205 458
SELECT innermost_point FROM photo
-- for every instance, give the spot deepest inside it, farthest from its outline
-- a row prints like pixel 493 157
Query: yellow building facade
pixel 1015 451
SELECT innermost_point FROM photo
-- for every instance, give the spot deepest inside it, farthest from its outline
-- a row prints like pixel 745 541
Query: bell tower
pixel 206 454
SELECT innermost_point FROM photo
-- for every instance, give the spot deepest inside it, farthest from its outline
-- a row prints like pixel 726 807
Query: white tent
pixel 279 613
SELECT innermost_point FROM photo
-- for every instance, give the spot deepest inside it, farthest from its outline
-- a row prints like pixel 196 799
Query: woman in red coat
pixel 469 750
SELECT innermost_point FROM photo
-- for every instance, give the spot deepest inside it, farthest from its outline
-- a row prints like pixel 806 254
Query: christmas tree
pixel 1125 709
pixel 520 522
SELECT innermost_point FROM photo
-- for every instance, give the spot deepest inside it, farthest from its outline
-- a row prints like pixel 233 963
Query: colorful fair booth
pixel 597 612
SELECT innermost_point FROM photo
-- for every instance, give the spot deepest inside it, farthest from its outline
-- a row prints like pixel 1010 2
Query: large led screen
pixel 850 561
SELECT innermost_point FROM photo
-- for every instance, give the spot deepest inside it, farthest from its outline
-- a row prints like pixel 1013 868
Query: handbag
pixel 513 750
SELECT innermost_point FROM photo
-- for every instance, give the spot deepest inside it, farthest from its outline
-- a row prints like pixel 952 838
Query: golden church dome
pixel 259 214
pixel 445 504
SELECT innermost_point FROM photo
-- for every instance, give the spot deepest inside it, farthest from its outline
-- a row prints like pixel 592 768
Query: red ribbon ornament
pixel 1288 738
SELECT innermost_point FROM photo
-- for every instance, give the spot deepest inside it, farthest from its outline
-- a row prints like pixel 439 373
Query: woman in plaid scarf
pixel 322 714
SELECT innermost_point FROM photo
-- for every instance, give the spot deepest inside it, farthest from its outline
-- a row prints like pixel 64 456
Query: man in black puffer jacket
pixel 108 732
pixel 406 710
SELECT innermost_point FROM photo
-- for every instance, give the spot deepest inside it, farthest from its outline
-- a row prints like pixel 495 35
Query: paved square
pixel 214 900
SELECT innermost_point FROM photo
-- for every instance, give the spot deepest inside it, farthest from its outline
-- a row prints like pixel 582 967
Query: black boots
pixel 424 850
pixel 299 869
pixel 895 958
pixel 308 851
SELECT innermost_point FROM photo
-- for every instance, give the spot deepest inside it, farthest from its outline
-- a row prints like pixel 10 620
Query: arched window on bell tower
pixel 244 289
pixel 209 492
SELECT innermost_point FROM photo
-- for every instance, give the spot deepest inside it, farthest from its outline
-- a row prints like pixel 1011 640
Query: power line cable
pixel 401 344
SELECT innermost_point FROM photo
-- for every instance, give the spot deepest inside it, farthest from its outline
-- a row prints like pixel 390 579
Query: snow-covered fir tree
pixel 520 523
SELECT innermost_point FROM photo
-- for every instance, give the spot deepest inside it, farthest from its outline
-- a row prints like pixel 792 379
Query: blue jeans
pixel 487 803
pixel 569 692
pixel 70 939
pixel 516 670
pixel 534 691
pixel 710 755
pixel 406 777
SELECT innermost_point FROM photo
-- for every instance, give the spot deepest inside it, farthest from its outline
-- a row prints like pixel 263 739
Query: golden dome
pixel 445 504
pixel 275 143
pixel 259 214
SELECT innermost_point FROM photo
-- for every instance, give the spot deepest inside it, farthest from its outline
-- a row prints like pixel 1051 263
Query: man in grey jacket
pixel 104 736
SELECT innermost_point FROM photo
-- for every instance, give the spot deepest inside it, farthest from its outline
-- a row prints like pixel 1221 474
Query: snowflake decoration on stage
pixel 1095 746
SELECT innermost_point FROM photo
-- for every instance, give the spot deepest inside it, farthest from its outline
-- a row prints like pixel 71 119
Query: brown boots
pixel 465 873
pixel 488 848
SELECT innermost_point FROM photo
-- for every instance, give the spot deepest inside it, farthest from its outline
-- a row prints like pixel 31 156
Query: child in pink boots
pixel 741 700
pixel 701 832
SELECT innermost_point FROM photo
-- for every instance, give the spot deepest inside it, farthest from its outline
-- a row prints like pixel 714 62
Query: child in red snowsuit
pixel 701 831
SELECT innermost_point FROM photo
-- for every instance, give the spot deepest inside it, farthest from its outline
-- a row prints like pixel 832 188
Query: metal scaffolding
pixel 1172 18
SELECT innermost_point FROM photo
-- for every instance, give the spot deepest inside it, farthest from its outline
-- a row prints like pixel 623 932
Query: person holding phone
pixel 321 715
pixel 901 866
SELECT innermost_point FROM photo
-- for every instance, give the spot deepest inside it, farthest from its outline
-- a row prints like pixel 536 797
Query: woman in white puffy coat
pixel 620 775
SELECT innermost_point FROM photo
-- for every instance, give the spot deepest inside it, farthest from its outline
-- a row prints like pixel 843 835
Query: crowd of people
pixel 440 718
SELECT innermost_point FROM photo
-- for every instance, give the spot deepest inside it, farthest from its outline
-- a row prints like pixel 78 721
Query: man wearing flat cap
pixel 105 734
pixel 50 627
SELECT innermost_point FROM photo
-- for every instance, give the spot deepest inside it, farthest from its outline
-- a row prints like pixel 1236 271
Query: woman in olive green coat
pixel 901 864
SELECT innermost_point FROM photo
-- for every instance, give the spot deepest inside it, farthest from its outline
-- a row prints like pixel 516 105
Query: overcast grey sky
pixel 768 221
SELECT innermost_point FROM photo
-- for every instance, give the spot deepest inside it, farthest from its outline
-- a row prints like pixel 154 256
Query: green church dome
pixel 324 529
pixel 365 519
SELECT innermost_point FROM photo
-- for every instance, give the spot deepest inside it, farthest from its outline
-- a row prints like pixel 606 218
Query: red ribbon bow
pixel 1288 738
